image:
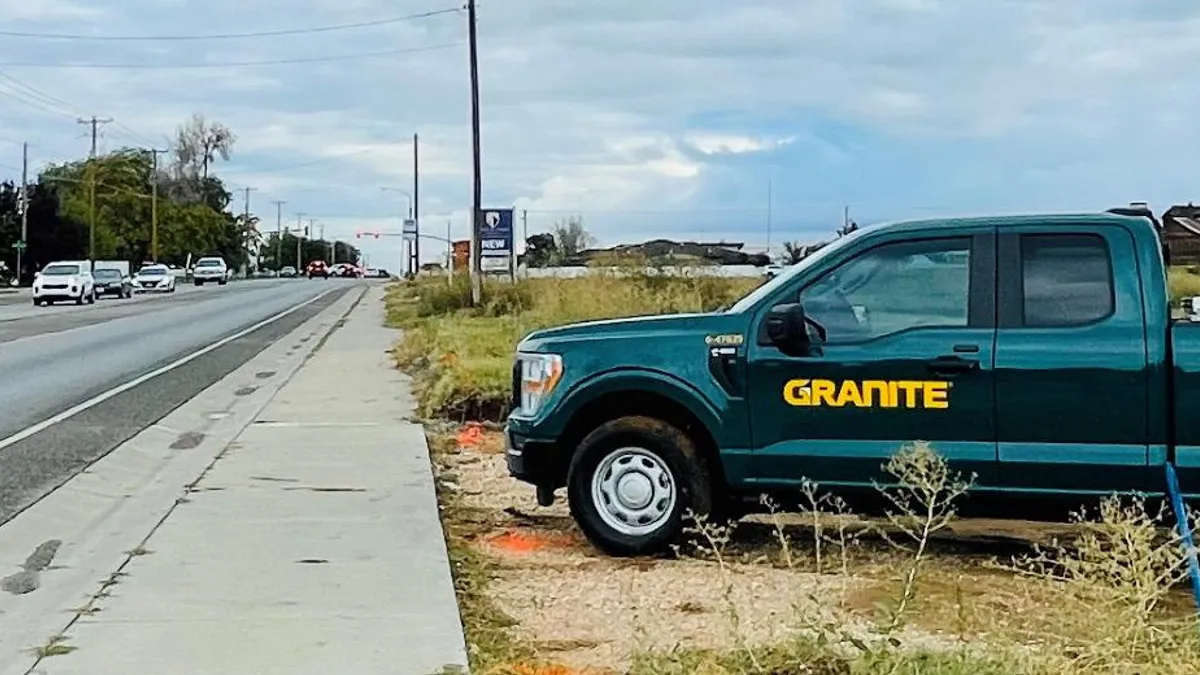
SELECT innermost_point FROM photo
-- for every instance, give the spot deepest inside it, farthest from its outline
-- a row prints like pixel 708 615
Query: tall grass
pixel 460 356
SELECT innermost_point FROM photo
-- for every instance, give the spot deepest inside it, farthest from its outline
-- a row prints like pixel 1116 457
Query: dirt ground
pixel 584 610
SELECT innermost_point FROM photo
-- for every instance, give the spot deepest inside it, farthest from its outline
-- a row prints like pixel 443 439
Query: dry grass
pixel 461 357
pixel 750 599
pixel 1184 281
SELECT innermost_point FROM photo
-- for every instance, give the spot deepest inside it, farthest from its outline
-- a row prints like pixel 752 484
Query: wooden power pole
pixel 95 123
pixel 24 204
pixel 477 188
pixel 154 153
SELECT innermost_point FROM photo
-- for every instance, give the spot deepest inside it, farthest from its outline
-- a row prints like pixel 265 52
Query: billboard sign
pixel 496 240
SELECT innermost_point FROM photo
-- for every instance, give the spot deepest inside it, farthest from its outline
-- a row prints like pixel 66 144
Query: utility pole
pixel 525 239
pixel 299 234
pixel 154 152
pixel 416 263
pixel 279 235
pixel 24 207
pixel 769 200
pixel 246 224
pixel 94 122
pixel 477 188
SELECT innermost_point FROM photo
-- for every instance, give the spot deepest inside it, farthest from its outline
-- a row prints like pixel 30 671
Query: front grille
pixel 54 287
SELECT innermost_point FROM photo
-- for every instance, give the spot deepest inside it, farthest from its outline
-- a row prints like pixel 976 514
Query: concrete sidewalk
pixel 312 545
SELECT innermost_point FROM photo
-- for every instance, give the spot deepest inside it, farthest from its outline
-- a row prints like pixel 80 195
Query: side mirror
pixel 787 325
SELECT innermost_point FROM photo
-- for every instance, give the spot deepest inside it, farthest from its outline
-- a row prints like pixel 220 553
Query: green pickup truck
pixel 1037 352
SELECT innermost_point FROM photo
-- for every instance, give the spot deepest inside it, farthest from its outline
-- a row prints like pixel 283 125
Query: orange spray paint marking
pixel 470 436
pixel 513 541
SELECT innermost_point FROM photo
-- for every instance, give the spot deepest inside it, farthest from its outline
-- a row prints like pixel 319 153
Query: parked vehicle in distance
pixel 112 281
pixel 66 280
pixel 120 265
pixel 317 268
pixel 348 271
pixel 210 269
pixel 154 279
pixel 1036 352
pixel 287 272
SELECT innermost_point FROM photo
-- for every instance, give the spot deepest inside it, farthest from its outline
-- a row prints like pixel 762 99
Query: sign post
pixel 408 244
pixel 496 241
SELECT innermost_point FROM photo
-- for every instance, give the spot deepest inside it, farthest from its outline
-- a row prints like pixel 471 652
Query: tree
pixel 198 143
pixel 571 237
pixel 795 251
pixel 541 251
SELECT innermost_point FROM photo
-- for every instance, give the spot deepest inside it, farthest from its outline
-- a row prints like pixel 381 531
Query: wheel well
pixel 619 404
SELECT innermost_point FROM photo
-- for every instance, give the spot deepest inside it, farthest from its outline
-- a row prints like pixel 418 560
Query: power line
pixel 231 64
pixel 36 98
pixel 233 36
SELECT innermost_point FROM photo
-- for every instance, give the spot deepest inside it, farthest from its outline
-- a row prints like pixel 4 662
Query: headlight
pixel 540 374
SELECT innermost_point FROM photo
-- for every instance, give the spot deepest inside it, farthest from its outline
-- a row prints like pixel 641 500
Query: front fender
pixel 658 382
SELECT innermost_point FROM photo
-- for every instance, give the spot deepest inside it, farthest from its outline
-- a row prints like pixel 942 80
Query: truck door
pixel 1071 378
pixel 907 356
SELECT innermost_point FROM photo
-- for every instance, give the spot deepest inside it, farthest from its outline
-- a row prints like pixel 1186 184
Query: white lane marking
pixel 142 379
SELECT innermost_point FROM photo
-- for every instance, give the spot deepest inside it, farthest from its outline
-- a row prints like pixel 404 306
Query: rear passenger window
pixel 1066 278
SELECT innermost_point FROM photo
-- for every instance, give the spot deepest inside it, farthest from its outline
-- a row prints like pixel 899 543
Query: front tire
pixel 632 482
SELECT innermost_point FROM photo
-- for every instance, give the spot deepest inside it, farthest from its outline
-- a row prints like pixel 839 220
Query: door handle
pixel 952 365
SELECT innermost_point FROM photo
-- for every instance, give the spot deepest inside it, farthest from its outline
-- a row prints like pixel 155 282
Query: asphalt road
pixel 53 358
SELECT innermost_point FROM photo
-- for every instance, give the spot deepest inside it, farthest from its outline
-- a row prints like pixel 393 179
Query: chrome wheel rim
pixel 634 491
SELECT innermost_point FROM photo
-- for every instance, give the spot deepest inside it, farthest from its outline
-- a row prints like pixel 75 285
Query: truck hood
pixel 637 327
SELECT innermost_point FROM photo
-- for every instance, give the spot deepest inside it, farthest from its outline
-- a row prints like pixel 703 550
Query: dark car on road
pixel 111 281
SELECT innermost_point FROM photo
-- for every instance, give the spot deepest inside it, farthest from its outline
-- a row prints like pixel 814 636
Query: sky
pixel 758 121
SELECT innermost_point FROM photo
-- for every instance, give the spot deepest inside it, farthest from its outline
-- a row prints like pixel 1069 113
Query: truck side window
pixel 1066 280
pixel 893 288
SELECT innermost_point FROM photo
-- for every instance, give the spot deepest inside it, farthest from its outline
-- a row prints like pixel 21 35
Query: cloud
pixel 668 118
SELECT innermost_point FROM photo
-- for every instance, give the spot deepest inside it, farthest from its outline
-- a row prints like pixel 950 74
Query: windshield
pixel 60 270
pixel 152 272
pixel 790 273
pixel 209 263
pixel 108 274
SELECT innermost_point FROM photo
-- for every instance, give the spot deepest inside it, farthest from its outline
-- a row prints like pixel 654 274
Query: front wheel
pixel 633 481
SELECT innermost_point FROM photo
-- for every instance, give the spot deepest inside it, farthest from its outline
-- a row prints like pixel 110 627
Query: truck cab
pixel 1036 352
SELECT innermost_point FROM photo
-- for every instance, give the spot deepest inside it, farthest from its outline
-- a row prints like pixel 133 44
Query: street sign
pixel 20 246
pixel 496 240
pixel 410 228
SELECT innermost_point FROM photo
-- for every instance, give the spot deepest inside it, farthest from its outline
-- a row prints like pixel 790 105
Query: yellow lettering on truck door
pixel 911 394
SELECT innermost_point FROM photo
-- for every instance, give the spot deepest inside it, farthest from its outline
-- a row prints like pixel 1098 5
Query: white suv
pixel 210 269
pixel 67 280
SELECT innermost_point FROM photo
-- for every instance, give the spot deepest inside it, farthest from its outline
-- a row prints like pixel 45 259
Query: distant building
pixel 1181 232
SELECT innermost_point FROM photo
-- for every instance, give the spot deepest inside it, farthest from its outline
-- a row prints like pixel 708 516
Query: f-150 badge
pixel 727 340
